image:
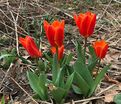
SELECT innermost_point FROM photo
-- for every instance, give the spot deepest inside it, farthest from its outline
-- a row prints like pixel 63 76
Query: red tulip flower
pixel 29 44
pixel 86 23
pixel 55 33
pixel 100 48
pixel 60 51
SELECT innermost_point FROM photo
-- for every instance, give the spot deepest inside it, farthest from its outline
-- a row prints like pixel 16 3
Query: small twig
pixel 85 102
pixel 63 11
pixel 10 28
pixel 105 10
pixel 89 99
pixel 35 102
pixel 12 21
pixel 16 29
pixel 23 90
pixel 101 92
pixel 6 74
pixel 117 1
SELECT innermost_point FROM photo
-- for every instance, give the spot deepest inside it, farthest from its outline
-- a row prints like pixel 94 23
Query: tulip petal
pixel 22 41
pixel 55 23
pixel 29 44
pixel 91 25
pixel 60 52
pixel 85 23
pixel 77 20
pixel 101 48
pixel 32 48
pixel 59 36
pixel 46 24
pixel 53 50
pixel 50 35
pixel 62 24
pixel 83 26
pixel 104 51
pixel 55 32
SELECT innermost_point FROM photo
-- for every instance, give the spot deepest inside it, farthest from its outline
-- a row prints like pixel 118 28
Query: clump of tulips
pixel 62 75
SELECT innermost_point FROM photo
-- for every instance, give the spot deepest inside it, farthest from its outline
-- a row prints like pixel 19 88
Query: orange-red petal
pixel 86 23
pixel 32 48
pixel 55 32
pixel 91 26
pixel 59 36
pixel 29 44
pixel 50 35
pixel 22 41
pixel 60 51
pixel 101 48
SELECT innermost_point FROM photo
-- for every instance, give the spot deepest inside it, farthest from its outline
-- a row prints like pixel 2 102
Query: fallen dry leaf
pixel 109 97
pixel 109 94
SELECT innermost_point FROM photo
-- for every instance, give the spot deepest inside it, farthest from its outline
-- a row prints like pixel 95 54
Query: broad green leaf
pixel 83 86
pixel 69 83
pixel 117 99
pixel 54 68
pixel 80 53
pixel 66 60
pixel 76 89
pixel 92 65
pixel 41 65
pixel 69 58
pixel 7 59
pixel 58 94
pixel 60 77
pixel 82 69
pixel 3 100
pixel 48 58
pixel 63 61
pixel 69 70
pixel 99 78
pixel 43 80
pixel 38 84
pixel 92 53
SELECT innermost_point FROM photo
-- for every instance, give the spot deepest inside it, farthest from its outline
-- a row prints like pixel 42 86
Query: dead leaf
pixel 17 102
pixel 109 97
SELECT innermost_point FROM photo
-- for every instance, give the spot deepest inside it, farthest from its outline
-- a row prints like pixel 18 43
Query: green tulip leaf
pixel 38 84
pixel 60 78
pixel 76 89
pixel 3 100
pixel 69 83
pixel 92 65
pixel 54 68
pixel 99 78
pixel 80 53
pixel 82 84
pixel 58 94
pixel 69 58
pixel 82 69
pixel 117 99
pixel 92 53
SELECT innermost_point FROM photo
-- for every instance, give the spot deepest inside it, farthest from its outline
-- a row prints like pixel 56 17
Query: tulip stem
pixel 98 66
pixel 57 53
pixel 85 46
